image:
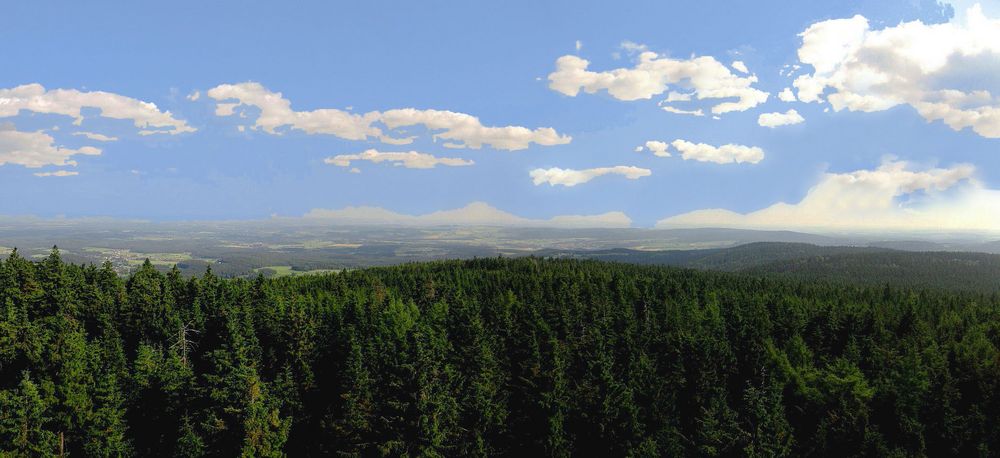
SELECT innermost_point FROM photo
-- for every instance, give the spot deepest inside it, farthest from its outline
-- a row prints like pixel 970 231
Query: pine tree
pixel 106 428
pixel 436 408
pixel 189 443
pixel 25 421
pixel 354 425
pixel 265 431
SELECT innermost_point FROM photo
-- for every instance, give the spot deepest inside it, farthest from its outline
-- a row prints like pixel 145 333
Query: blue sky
pixel 493 61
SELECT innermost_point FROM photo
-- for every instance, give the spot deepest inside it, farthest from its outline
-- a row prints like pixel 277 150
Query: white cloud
pixel 653 75
pixel 632 47
pixel 658 148
pixel 474 214
pixel 57 173
pixel 466 131
pixel 674 96
pixel 725 154
pixel 410 159
pixel 740 67
pixel 96 137
pixel 670 109
pixel 36 149
pixel 786 95
pixel 788 70
pixel 773 120
pixel 912 64
pixel 460 130
pixel 569 177
pixel 70 102
pixel 276 112
pixel 890 197
pixel 579 45
pixel 194 96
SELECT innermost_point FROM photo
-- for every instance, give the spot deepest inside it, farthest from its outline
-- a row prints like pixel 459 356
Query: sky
pixel 847 115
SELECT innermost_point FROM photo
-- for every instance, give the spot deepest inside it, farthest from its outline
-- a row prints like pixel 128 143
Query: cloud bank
pixel 474 214
pixel 893 196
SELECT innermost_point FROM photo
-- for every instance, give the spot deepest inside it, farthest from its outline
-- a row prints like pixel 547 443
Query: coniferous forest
pixel 513 357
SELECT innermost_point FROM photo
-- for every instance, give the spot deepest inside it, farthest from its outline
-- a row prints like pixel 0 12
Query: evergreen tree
pixel 24 422
pixel 490 357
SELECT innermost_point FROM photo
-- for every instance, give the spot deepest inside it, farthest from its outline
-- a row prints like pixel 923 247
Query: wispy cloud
pixel 569 177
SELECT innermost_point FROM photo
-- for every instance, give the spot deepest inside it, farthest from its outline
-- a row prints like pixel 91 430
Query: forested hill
pixel 964 271
pixel 490 357
pixel 730 259
pixel 852 265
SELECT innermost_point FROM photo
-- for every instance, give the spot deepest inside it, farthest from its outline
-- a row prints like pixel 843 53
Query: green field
pixel 287 271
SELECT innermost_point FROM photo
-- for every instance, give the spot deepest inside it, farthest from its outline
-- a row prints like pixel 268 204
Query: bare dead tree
pixel 183 343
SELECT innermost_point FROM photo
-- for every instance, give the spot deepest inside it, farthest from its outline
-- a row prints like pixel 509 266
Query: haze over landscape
pixel 513 228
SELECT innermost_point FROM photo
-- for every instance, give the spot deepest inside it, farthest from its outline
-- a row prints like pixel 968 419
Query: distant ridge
pixel 967 271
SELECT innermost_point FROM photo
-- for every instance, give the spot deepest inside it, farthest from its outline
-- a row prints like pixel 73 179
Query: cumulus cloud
pixel 459 130
pixel 57 173
pixel 37 149
pixel 569 177
pixel 276 112
pixel 773 120
pixel 739 66
pixel 945 71
pixel 658 148
pixel 70 102
pixel 893 196
pixel 96 137
pixel 410 159
pixel 725 154
pixel 786 95
pixel 474 214
pixel 652 75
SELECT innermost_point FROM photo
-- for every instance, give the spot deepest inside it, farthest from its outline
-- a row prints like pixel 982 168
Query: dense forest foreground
pixel 522 357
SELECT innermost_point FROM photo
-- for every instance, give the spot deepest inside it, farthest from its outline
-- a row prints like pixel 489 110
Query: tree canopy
pixel 490 357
